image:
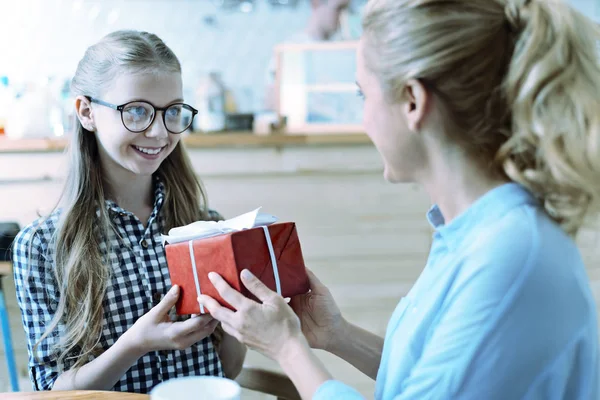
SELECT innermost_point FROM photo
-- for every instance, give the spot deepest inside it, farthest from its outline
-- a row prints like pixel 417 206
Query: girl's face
pixel 120 149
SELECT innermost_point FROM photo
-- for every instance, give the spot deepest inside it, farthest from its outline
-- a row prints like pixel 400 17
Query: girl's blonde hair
pixel 519 81
pixel 80 245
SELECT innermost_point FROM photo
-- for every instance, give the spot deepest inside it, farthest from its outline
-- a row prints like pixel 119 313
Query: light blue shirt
pixel 503 310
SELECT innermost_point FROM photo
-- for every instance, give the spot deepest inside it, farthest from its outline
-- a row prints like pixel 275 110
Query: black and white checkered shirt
pixel 140 278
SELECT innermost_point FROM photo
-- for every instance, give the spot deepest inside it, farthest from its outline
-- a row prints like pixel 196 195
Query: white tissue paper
pixel 205 229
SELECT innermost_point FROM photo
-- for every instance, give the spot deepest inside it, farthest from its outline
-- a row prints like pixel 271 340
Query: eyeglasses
pixel 137 116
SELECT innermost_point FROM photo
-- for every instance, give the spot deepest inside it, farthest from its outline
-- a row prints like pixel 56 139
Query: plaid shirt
pixel 140 278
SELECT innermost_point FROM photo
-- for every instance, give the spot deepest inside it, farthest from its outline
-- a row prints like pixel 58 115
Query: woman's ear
pixel 416 103
pixel 83 107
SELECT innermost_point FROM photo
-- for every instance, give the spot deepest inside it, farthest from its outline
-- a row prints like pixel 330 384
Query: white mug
pixel 197 388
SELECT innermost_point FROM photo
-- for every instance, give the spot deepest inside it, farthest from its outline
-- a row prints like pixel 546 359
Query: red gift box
pixel 230 253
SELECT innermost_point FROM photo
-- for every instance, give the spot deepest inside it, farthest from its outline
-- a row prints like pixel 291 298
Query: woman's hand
pixel 268 327
pixel 320 317
pixel 155 330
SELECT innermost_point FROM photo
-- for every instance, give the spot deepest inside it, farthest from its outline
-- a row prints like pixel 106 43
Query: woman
pixel 492 106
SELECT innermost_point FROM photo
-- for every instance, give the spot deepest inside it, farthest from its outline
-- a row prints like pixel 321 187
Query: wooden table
pixel 74 395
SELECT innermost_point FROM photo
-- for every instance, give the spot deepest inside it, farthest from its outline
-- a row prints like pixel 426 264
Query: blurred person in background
pixel 323 25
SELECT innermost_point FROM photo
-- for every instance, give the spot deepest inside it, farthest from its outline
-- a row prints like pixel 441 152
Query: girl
pixel 92 280
pixel 492 106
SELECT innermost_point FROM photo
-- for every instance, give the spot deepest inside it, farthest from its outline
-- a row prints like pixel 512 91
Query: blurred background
pixel 224 44
pixel 279 127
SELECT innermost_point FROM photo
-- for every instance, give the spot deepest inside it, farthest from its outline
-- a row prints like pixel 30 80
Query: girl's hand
pixel 155 330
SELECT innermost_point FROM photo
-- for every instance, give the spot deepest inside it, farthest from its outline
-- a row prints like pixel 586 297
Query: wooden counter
pixel 198 141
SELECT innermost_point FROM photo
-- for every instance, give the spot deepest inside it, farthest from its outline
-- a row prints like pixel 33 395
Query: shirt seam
pixel 507 300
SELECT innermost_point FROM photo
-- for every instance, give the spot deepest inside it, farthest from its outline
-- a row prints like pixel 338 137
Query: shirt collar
pixel 491 206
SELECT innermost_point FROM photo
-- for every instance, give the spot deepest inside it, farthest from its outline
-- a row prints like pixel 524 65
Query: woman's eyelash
pixel 360 94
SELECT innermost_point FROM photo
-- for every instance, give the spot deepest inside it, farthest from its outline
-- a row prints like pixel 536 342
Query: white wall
pixel 48 37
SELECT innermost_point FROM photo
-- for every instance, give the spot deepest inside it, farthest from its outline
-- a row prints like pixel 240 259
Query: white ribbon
pixel 273 260
pixel 273 264
pixel 195 271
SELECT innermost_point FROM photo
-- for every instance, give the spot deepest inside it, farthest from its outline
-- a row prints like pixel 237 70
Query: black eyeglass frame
pixel 121 107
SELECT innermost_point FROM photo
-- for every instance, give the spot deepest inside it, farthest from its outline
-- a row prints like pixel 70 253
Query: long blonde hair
pixel 518 79
pixel 80 243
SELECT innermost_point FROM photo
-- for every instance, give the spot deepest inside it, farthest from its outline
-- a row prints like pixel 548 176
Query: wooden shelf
pixel 200 141
pixel 27 145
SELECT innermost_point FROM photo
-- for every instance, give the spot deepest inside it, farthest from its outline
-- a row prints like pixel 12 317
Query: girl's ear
pixel 85 114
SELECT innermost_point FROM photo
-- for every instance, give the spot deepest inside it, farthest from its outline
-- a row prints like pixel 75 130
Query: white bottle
pixel 210 99
pixel 34 114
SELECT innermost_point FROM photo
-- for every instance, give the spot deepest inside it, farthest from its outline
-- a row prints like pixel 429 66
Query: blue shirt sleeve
pixel 334 390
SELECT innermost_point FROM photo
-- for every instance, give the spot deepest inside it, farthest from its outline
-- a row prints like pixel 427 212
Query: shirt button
pixel 144 244
pixel 157 296
pixel 414 310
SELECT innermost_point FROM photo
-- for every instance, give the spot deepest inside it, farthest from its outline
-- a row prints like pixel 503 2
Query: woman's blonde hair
pixel 80 245
pixel 519 81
